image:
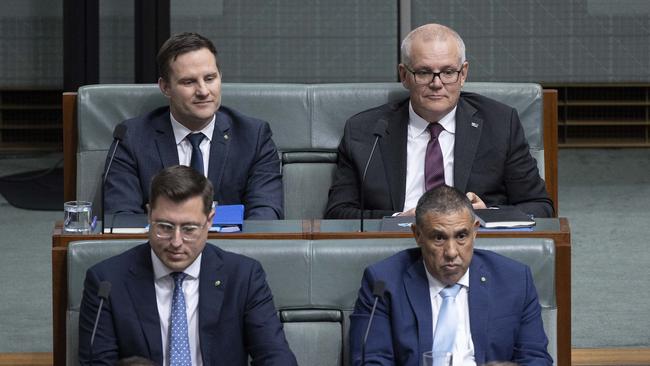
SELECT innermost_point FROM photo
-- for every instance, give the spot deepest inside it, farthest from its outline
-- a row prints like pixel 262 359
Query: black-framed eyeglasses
pixel 166 230
pixel 426 77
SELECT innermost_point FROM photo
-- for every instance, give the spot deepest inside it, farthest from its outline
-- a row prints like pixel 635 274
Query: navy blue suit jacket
pixel 491 159
pixel 505 314
pixel 236 318
pixel 244 164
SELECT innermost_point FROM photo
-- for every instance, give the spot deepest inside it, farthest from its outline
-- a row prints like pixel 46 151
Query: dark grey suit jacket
pixel 237 318
pixel 491 159
pixel 244 164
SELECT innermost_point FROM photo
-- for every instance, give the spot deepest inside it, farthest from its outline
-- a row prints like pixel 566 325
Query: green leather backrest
pixel 315 284
pixel 307 121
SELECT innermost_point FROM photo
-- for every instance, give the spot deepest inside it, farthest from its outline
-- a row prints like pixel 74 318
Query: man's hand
pixel 477 202
pixel 410 212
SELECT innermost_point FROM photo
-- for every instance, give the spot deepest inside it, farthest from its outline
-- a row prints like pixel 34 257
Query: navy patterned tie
pixel 179 342
pixel 445 334
pixel 434 169
pixel 196 161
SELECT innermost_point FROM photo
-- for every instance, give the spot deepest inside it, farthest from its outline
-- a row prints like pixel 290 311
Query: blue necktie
pixel 196 162
pixel 445 334
pixel 179 342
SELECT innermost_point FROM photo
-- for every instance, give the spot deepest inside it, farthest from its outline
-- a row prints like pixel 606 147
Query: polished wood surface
pixel 559 232
pixel 579 357
pixel 70 142
pixel 550 144
pixel 26 359
pixel 610 356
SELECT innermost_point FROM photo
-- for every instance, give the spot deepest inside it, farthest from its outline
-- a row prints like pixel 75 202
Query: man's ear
pixel 164 86
pixel 476 226
pixel 401 70
pixel 416 233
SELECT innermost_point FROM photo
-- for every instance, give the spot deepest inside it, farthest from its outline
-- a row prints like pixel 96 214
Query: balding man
pixel 439 135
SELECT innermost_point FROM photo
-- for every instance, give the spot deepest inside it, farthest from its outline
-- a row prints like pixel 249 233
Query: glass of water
pixel 77 216
pixel 437 359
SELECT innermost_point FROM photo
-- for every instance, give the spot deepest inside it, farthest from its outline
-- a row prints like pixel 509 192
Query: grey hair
pixel 431 32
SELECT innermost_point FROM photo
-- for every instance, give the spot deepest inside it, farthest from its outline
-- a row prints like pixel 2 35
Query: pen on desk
pixel 93 223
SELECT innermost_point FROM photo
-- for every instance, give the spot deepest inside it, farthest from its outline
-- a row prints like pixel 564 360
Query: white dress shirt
pixel 463 353
pixel 416 150
pixel 184 147
pixel 164 291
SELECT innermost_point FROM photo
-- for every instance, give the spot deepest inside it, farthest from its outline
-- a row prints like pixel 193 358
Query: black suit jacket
pixel 237 317
pixel 491 159
pixel 244 164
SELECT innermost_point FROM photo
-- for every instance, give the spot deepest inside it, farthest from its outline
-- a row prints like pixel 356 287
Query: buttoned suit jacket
pixel 491 158
pixel 504 312
pixel 244 166
pixel 237 317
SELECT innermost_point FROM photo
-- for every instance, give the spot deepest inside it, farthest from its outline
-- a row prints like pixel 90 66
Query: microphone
pixel 102 293
pixel 377 292
pixel 379 131
pixel 118 135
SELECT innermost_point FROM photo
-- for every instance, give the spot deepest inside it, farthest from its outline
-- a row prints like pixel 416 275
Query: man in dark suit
pixel 496 315
pixel 234 151
pixel 479 146
pixel 176 299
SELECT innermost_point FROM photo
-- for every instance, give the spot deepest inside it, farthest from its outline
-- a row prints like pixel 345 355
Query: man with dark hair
pixel 234 151
pixel 447 297
pixel 176 300
pixel 439 135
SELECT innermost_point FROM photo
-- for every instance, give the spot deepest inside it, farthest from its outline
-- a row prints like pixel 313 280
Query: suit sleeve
pixel 123 189
pixel 525 188
pixel 105 350
pixel 263 196
pixel 343 201
pixel 264 336
pixel 531 343
pixel 379 345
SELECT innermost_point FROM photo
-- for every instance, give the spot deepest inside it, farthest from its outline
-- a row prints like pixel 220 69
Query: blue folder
pixel 228 218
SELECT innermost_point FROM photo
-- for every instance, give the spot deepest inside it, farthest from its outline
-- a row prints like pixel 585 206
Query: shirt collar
pixel 180 131
pixel 436 286
pixel 160 270
pixel 419 124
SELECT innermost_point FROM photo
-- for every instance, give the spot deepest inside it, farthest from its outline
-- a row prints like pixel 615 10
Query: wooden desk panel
pixel 312 230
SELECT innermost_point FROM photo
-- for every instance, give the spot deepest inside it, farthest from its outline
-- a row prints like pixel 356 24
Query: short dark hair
pixel 442 200
pixel 180 44
pixel 179 183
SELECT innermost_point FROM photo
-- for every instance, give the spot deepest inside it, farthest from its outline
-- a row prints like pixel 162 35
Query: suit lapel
pixel 417 291
pixel 165 141
pixel 212 284
pixel 393 152
pixel 479 303
pixel 219 148
pixel 468 134
pixel 141 288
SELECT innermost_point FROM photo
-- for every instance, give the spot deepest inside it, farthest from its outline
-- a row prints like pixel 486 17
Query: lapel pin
pixel 483 279
pixel 217 283
pixel 225 136
pixel 475 124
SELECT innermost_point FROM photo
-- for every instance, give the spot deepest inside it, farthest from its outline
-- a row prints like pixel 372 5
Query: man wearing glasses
pixel 176 300
pixel 439 135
